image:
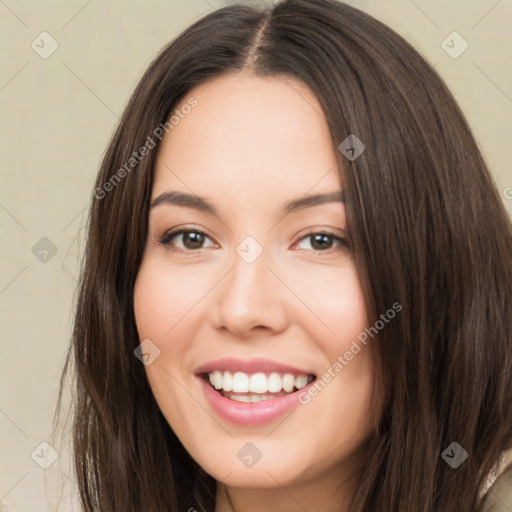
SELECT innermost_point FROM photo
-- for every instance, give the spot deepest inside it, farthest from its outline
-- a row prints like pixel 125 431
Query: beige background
pixel 57 117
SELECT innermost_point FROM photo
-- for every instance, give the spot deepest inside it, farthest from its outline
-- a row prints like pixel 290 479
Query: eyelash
pixel 166 238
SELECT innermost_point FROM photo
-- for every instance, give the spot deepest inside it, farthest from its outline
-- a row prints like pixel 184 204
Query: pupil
pixel 195 238
pixel 319 240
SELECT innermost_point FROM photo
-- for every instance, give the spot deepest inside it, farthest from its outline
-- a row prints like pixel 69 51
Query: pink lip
pixel 252 366
pixel 250 414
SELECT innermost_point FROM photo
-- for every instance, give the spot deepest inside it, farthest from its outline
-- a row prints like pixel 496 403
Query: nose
pixel 250 299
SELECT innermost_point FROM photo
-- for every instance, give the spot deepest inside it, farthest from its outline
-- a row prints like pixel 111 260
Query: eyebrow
pixel 202 204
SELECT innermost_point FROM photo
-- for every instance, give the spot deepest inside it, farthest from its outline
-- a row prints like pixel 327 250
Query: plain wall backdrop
pixel 60 105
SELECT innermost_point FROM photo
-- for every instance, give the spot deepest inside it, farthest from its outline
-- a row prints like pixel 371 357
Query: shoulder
pixel 499 497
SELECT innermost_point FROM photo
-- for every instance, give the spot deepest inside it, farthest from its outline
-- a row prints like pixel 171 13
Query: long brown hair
pixel 429 231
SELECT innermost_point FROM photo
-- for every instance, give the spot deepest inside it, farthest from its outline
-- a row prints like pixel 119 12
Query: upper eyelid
pixel 311 231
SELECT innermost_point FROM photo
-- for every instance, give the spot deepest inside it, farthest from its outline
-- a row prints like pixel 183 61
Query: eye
pixel 191 239
pixel 324 241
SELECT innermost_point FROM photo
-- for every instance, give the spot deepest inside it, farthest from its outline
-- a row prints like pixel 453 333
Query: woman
pixel 297 288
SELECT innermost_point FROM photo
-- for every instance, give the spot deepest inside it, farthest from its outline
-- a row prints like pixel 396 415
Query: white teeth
pixel 274 383
pixel 240 382
pixel 288 382
pixel 227 382
pixel 255 397
pixel 259 383
pixel 243 398
pixel 217 380
pixel 301 381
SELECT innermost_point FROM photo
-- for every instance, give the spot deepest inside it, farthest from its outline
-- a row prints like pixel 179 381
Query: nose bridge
pixel 250 296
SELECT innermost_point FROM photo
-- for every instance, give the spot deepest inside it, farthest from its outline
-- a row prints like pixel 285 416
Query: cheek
pixel 168 311
pixel 337 305
pixel 339 320
pixel 163 296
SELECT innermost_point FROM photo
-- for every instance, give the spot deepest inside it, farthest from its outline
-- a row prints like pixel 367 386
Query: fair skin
pixel 249 146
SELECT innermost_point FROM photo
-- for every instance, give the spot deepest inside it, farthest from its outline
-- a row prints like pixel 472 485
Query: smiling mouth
pixel 256 387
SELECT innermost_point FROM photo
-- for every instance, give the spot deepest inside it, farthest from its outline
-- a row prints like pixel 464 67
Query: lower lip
pixel 252 413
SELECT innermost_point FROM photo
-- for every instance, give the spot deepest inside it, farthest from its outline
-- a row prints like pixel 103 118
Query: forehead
pixel 248 135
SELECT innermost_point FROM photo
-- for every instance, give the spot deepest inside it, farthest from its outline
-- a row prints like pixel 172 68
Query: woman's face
pixel 267 297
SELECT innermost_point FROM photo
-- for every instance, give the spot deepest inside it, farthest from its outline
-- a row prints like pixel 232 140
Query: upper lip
pixel 250 367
